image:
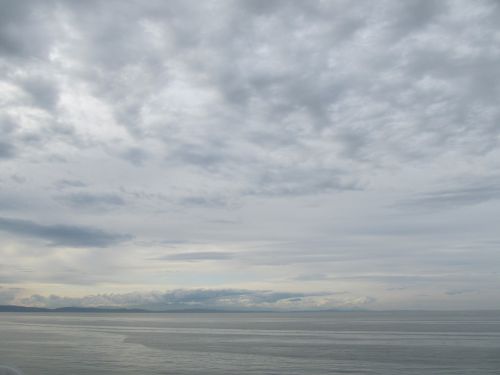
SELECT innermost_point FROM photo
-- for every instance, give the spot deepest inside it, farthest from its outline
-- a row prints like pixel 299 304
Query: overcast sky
pixel 250 154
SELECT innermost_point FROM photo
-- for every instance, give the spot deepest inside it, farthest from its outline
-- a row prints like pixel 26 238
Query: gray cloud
pixel 24 31
pixel 205 201
pixel 7 150
pixel 456 292
pixel 8 295
pixel 135 155
pixel 204 155
pixel 91 200
pixel 65 183
pixel 286 182
pixel 43 92
pixel 471 192
pixel 61 235
pixel 312 277
pixel 194 256
pixel 18 179
pixel 7 129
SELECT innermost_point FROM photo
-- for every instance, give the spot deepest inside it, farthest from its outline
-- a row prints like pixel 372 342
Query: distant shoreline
pixel 72 309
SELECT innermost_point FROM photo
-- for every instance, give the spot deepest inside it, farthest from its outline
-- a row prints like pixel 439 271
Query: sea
pixel 252 343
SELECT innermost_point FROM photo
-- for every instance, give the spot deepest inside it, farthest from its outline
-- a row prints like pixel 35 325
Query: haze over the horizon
pixel 250 154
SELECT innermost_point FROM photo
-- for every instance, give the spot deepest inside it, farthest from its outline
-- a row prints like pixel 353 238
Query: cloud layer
pixel 251 145
pixel 220 299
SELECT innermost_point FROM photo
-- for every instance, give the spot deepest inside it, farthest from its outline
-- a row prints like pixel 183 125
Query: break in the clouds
pixel 300 148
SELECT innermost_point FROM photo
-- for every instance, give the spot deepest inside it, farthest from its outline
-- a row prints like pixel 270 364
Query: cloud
pixel 456 292
pixel 92 200
pixel 8 295
pixel 470 192
pixel 322 96
pixel 338 139
pixel 204 201
pixel 18 179
pixel 7 150
pixel 42 91
pixel 64 183
pixel 290 182
pixel 61 235
pixel 312 277
pixel 7 128
pixel 135 155
pixel 195 256
pixel 24 31
pixel 230 299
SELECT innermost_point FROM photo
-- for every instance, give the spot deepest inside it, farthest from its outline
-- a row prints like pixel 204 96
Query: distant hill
pixel 72 309
pixel 12 308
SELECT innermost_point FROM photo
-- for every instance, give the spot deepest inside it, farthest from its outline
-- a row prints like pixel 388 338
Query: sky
pixel 283 155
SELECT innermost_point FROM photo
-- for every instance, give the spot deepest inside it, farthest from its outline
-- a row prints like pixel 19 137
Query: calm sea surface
pixel 318 343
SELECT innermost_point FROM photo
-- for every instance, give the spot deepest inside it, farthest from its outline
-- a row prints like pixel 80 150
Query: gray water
pixel 264 343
